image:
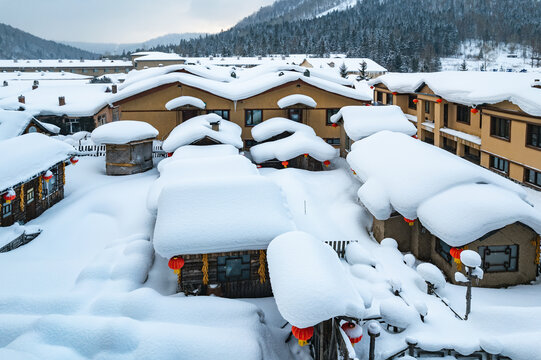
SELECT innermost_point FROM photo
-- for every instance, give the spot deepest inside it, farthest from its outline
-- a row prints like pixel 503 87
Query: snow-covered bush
pixel 432 275
pixel 356 254
pixel 396 313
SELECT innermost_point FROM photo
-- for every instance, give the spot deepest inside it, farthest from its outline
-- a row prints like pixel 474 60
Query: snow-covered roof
pixel 309 283
pixel 13 123
pixel 123 132
pixel 363 121
pixel 465 213
pixel 27 155
pixel 383 162
pixel 11 76
pixel 296 99
pixel 352 64
pixel 65 63
pixel 276 126
pixel 462 135
pixel 199 127
pixel 185 100
pixel 158 56
pixel 192 216
pixel 292 146
pixel 472 88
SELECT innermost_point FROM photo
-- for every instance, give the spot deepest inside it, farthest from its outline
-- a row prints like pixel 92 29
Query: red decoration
pixel 258 166
pixel 414 136
pixel 47 176
pixel 9 196
pixel 474 111
pixel 334 125
pixel 285 163
pixel 353 331
pixel 368 104
pixel 439 101
pixel 371 87
pixel 326 163
pixel 303 335
pixel 455 253
pixel 176 263
pixel 169 154
pixel 415 101
pixel 409 221
pixel 305 155
pixel 395 93
pixel 74 160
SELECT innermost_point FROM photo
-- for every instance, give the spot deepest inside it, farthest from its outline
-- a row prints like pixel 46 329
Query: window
pixel 51 186
pixel 379 96
pixel 533 136
pixel 500 127
pixel 427 107
pixel 499 258
pixel 102 119
pixel 249 143
pixel 253 117
pixel 95 70
pixel 444 250
pixel 499 164
pixel 295 115
pixel 411 104
pixel 116 114
pixel 389 99
pixel 6 209
pixel 30 196
pixel 330 113
pixel 463 114
pixel 333 141
pixel 472 154
pixel 532 177
pixel 224 114
pixel 233 268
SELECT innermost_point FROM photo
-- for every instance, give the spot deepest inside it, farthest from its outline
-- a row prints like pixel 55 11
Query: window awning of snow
pixel 185 101
pixel 296 99
pixel 278 125
pixel 309 283
pixel 123 132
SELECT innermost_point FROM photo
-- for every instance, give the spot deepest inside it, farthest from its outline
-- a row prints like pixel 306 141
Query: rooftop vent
pixel 21 99
pixel 537 83
pixel 35 85
pixel 5 83
pixel 215 125
pixel 114 88
pixel 61 101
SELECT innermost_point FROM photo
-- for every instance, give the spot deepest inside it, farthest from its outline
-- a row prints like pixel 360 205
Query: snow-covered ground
pixel 90 286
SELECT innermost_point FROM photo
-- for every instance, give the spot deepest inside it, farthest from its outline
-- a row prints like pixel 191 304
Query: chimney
pixel 21 99
pixel 61 101
pixel 35 85
pixel 114 88
pixel 537 84
pixel 215 125
pixel 5 83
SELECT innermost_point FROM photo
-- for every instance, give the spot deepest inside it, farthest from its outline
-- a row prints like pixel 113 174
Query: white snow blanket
pixel 465 213
pixel 296 99
pixel 27 155
pixel 409 172
pixel 292 146
pixel 194 151
pixel 199 127
pixel 278 125
pixel 123 132
pixel 363 121
pixel 13 123
pixel 219 215
pixel 472 87
pixel 309 283
pixel 185 100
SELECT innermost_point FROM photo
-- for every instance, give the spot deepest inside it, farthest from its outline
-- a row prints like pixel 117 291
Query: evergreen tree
pixel 343 70
pixel 362 70
pixel 463 66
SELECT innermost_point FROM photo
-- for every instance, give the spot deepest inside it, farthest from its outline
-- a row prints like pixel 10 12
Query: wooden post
pixel 411 346
pixel 179 281
pixel 468 291
pixel 373 331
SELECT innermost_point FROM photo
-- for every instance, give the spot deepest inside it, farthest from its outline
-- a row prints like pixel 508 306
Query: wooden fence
pixel 339 246
pixel 99 150
pixel 419 353
pixel 20 240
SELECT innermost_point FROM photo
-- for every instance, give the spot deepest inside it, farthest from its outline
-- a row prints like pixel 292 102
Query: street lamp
pixel 472 262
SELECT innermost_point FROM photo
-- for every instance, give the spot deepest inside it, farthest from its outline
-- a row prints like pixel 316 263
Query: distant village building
pixel 81 66
pixel 351 66
pixel 16 123
pixel 128 146
pixel 32 177
pixel 148 59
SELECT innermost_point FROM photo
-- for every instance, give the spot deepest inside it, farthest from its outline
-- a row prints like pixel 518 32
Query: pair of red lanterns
pixel 353 331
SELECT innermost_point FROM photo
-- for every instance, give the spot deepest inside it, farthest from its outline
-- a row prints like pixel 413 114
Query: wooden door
pixel 30 206
pixel 188 114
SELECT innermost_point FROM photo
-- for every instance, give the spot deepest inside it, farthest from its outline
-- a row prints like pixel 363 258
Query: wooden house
pixel 33 176
pixel 128 146
pixel 15 123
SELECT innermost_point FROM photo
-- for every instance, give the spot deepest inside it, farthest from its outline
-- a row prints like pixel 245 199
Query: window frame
pixel 494 159
pixel 299 112
pixel 333 141
pixel 379 97
pixel 529 134
pixel 245 265
pixel 251 111
pixel 329 113
pixel 483 253
pixel 464 110
pixel 496 127
pixel 5 213
pixel 537 176
pixel 411 104
pixel 215 111
pixel 440 248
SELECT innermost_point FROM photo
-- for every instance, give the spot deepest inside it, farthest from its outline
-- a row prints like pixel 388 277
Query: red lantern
pixel 285 163
pixel 169 154
pixel 414 136
pixel 395 93
pixel 326 163
pixel 474 111
pixel 354 173
pixel 305 155
pixel 9 196
pixel 368 104
pixel 455 253
pixel 371 87
pixel 303 335
pixel 409 221
pixel 74 160
pixel 258 166
pixel 47 176
pixel 176 263
pixel 415 101
pixel 334 125
pixel 439 101
pixel 353 331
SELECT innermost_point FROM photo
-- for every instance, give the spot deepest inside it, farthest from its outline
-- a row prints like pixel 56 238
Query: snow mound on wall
pixel 185 100
pixel 385 157
pixel 292 146
pixel 479 209
pixel 309 283
pixel 276 126
pixel 199 127
pixel 123 132
pixel 363 121
pixel 296 99
pixel 30 154
pixel 192 216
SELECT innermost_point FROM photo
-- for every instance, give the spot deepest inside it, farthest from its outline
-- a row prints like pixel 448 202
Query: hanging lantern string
pixel 205 269
pixel 261 270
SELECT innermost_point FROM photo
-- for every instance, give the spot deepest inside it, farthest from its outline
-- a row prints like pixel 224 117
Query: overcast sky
pixel 122 21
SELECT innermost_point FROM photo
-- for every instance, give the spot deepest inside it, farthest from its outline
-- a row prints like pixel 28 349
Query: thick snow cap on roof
pixel 220 215
pixel 194 151
pixel 123 132
pixel 199 127
pixel 308 281
pixel 29 155
pixel 385 158
pixel 278 125
pixel 185 100
pixel 13 123
pixel 292 146
pixel 465 213
pixel 363 121
pixel 296 99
